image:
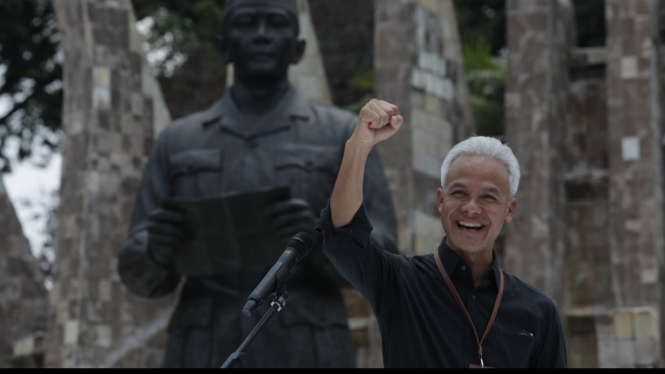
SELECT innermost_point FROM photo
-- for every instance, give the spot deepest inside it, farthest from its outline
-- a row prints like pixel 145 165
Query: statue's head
pixel 260 37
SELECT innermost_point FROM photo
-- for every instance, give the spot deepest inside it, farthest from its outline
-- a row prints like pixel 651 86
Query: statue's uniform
pixel 216 152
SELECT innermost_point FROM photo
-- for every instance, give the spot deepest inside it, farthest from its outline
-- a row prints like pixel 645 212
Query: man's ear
pixel 301 45
pixel 439 199
pixel 512 206
pixel 222 48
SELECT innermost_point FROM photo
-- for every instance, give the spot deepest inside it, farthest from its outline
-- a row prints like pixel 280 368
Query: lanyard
pixel 466 314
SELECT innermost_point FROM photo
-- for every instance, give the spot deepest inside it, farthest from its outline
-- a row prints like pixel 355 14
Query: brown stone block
pixel 129 186
pixel 642 9
pixel 360 338
pixel 356 305
pixel 136 66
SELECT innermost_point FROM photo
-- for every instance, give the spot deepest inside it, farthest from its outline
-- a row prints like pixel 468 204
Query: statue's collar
pixel 293 107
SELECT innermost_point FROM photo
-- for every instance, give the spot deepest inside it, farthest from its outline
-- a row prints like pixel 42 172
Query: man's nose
pixel 262 31
pixel 471 206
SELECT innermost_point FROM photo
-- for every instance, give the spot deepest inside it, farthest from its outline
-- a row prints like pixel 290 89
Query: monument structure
pixel 588 125
pixel 113 109
pixel 23 296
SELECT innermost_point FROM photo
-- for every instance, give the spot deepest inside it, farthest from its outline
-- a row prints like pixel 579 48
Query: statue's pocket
pixel 307 169
pixel 196 172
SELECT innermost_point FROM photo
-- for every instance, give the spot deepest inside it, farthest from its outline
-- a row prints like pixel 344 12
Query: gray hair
pixel 481 145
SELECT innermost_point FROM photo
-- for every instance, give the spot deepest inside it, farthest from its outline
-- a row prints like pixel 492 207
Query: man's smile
pixel 468 226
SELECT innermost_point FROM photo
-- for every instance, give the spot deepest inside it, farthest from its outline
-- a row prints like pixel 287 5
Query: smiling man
pixel 456 307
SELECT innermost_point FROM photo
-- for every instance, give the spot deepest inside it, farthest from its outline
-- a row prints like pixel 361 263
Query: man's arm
pixel 140 268
pixel 378 121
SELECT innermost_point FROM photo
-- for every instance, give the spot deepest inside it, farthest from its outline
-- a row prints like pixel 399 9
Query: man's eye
pixel 458 193
pixel 489 197
pixel 279 21
pixel 243 21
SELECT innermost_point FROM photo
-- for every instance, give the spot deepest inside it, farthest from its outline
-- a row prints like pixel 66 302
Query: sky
pixel 30 188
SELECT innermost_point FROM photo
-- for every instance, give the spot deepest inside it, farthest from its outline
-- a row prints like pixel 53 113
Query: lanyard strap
pixel 461 304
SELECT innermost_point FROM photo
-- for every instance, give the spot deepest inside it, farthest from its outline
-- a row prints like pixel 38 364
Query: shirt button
pixel 473 297
pixel 463 267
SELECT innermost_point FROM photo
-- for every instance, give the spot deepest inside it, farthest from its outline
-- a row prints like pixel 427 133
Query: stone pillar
pixel 112 110
pixel 419 67
pixel 539 36
pixel 23 297
pixel 636 183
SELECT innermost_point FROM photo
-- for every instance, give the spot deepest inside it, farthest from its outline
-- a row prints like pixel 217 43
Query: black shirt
pixel 421 325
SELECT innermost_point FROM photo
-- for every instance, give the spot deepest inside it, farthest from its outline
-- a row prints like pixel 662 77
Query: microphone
pixel 296 250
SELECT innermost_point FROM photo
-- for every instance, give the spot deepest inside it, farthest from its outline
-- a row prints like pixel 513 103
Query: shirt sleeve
pixel 369 269
pixel 552 350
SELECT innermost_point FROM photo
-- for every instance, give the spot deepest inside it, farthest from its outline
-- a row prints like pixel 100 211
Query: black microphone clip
pixel 274 281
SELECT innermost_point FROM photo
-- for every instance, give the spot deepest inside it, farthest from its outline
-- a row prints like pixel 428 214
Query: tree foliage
pixel 483 34
pixel 184 35
pixel 30 77
pixel 482 22
pixel 487 81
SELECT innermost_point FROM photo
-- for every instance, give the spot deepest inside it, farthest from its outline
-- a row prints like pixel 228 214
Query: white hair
pixel 485 146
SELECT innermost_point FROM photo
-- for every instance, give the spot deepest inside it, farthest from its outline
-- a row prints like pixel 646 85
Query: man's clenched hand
pixel 378 121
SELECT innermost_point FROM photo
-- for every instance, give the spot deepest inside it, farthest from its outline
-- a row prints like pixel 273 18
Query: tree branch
pixel 17 107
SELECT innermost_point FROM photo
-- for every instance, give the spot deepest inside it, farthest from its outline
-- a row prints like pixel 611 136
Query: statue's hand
pixel 378 120
pixel 291 217
pixel 165 235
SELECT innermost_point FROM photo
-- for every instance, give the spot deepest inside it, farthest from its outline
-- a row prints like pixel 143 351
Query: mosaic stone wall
pixel 23 297
pixel 113 108
pixel 587 125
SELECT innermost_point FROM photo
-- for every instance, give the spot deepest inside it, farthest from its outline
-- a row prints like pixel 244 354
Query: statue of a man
pixel 262 133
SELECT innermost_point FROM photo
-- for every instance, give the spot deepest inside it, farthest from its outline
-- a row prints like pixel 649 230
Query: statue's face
pixel 262 41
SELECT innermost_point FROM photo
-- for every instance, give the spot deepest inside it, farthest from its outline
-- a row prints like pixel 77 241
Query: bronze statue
pixel 262 133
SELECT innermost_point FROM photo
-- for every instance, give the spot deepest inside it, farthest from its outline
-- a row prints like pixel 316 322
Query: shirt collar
pixel 293 106
pixel 452 260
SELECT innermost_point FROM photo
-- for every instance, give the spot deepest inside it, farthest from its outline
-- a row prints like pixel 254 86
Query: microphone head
pixel 301 243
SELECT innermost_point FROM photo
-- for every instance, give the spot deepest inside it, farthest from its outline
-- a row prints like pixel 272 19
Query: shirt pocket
pixel 513 347
pixel 196 173
pixel 311 171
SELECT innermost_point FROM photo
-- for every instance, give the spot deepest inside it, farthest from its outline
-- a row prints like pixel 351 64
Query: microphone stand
pixel 277 305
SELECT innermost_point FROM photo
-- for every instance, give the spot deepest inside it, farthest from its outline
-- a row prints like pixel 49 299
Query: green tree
pixel 487 81
pixel 482 21
pixel 190 71
pixel 30 78
pixel 483 36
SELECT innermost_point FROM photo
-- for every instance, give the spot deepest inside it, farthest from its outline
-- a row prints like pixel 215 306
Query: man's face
pixel 261 41
pixel 474 203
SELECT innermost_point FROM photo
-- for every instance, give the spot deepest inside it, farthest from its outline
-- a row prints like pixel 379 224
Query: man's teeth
pixel 470 225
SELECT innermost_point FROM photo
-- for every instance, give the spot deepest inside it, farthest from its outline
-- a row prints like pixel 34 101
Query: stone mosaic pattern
pixel 113 108
pixel 634 169
pixel 586 125
pixel 23 297
pixel 536 106
pixel 419 67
